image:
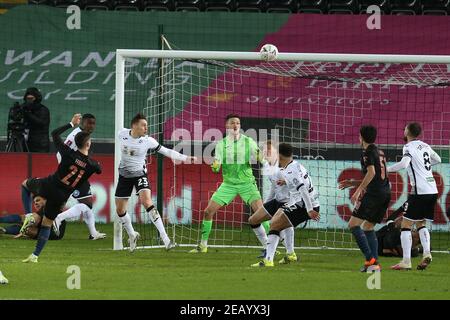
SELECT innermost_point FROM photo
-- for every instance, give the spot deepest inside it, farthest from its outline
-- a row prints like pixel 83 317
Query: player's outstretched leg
pixel 209 213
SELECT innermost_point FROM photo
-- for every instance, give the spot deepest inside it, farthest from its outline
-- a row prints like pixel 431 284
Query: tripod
pixel 16 142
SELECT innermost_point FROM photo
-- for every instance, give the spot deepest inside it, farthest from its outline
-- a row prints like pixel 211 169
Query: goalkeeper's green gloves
pixel 215 166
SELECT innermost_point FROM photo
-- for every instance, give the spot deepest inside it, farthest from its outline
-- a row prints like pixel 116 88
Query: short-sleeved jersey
pixel 133 161
pixel 372 156
pixel 236 157
pixel 70 142
pixel 419 169
pixel 296 176
pixel 75 168
pixel 277 192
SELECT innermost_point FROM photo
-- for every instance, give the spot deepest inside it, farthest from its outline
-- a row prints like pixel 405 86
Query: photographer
pixel 37 117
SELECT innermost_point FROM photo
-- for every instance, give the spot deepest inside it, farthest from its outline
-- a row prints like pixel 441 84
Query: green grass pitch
pixel 220 274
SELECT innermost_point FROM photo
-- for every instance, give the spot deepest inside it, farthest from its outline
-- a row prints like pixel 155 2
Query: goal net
pixel 316 102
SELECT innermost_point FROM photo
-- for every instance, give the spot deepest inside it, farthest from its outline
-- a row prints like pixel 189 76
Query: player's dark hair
pixel 137 118
pixel 81 138
pixel 232 115
pixel 285 149
pixel 368 133
pixel 414 129
pixel 87 116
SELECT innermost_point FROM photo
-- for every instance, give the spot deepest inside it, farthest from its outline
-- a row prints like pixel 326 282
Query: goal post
pixel 316 101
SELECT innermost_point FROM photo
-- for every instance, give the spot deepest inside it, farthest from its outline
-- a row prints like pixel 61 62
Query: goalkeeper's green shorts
pixel 227 192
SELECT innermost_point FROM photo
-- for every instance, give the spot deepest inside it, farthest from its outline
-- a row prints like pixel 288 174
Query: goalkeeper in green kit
pixel 234 154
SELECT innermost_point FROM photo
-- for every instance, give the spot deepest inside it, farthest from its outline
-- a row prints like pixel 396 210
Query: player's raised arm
pixel 56 134
pixel 170 153
pixel 403 164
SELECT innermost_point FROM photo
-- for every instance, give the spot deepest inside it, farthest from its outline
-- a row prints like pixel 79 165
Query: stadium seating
pixel 343 6
pixel 189 5
pixel 405 7
pixel 41 2
pixel 219 5
pixel 435 7
pixel 128 5
pixel 98 5
pixel 280 6
pixel 251 5
pixel 159 5
pixel 394 7
pixel 382 4
pixel 312 6
pixel 66 3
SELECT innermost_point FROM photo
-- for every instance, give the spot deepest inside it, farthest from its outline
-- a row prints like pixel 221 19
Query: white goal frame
pixel 122 54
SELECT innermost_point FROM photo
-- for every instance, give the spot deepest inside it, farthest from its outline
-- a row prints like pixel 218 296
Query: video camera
pixel 16 118
pixel 17 128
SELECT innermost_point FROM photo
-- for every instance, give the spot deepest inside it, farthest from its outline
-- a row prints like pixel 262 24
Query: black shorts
pixel 56 197
pixel 272 206
pixel 421 207
pixel 83 191
pixel 125 186
pixel 297 214
pixel 372 207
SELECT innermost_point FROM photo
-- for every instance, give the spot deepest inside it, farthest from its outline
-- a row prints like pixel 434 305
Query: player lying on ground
pixel 134 146
pixel 371 198
pixel 389 243
pixel 303 204
pixel 17 221
pixel 75 168
pixel 28 225
pixel 278 196
pixel 235 154
pixel 418 157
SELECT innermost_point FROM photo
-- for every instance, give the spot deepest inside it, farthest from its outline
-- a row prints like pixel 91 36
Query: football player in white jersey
pixel 277 197
pixel 134 145
pixel 83 194
pixel 418 158
pixel 303 202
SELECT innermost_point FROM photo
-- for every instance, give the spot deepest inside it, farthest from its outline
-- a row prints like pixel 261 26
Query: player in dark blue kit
pixel 74 169
pixel 371 198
